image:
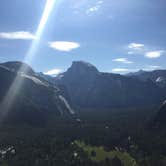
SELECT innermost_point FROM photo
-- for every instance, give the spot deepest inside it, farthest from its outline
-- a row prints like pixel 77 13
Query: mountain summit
pixel 82 68
pixel 89 88
pixel 18 66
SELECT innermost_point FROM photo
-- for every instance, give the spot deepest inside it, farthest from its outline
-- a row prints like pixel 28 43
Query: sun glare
pixel 45 16
pixel 48 8
pixel 17 83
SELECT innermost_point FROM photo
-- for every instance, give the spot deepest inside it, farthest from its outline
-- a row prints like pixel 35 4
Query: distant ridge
pixel 136 73
pixel 89 88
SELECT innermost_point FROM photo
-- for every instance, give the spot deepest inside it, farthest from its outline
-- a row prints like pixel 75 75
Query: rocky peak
pixel 18 66
pixel 82 68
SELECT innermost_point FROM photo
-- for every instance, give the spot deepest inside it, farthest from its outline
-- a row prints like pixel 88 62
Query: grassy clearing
pixel 101 154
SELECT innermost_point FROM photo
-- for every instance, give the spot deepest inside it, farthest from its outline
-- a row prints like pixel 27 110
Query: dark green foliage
pixel 116 162
pixel 54 145
pixel 93 153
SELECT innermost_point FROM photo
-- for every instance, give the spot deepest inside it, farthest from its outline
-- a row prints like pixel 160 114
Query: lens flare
pixel 14 88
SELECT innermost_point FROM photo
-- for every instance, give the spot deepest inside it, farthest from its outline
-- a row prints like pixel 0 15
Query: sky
pixel 117 36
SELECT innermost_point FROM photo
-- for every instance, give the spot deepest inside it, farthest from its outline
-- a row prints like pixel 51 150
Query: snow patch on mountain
pixel 160 79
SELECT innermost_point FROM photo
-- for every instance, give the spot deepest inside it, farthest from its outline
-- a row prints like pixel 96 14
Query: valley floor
pixel 118 139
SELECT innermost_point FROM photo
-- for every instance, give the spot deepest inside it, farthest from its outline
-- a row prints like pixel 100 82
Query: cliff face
pixel 27 99
pixel 160 118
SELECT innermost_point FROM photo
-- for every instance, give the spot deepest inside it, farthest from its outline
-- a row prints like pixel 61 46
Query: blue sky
pixel 115 35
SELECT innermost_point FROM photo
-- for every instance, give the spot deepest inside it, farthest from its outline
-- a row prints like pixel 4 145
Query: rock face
pixel 160 119
pixel 89 88
pixel 27 99
pixel 161 81
pixel 82 69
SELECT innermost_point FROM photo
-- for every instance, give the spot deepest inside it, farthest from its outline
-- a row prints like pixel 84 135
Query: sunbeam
pixel 17 83
pixel 48 8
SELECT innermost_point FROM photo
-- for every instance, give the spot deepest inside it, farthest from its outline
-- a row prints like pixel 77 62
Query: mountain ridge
pixel 90 88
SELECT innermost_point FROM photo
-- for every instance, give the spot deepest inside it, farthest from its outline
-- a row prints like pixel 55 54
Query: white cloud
pixel 53 72
pixel 135 46
pixel 141 49
pixel 130 52
pixel 123 70
pixel 64 45
pixel 154 54
pixel 152 67
pixel 94 8
pixel 19 35
pixel 100 2
pixel 120 70
pixel 122 60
